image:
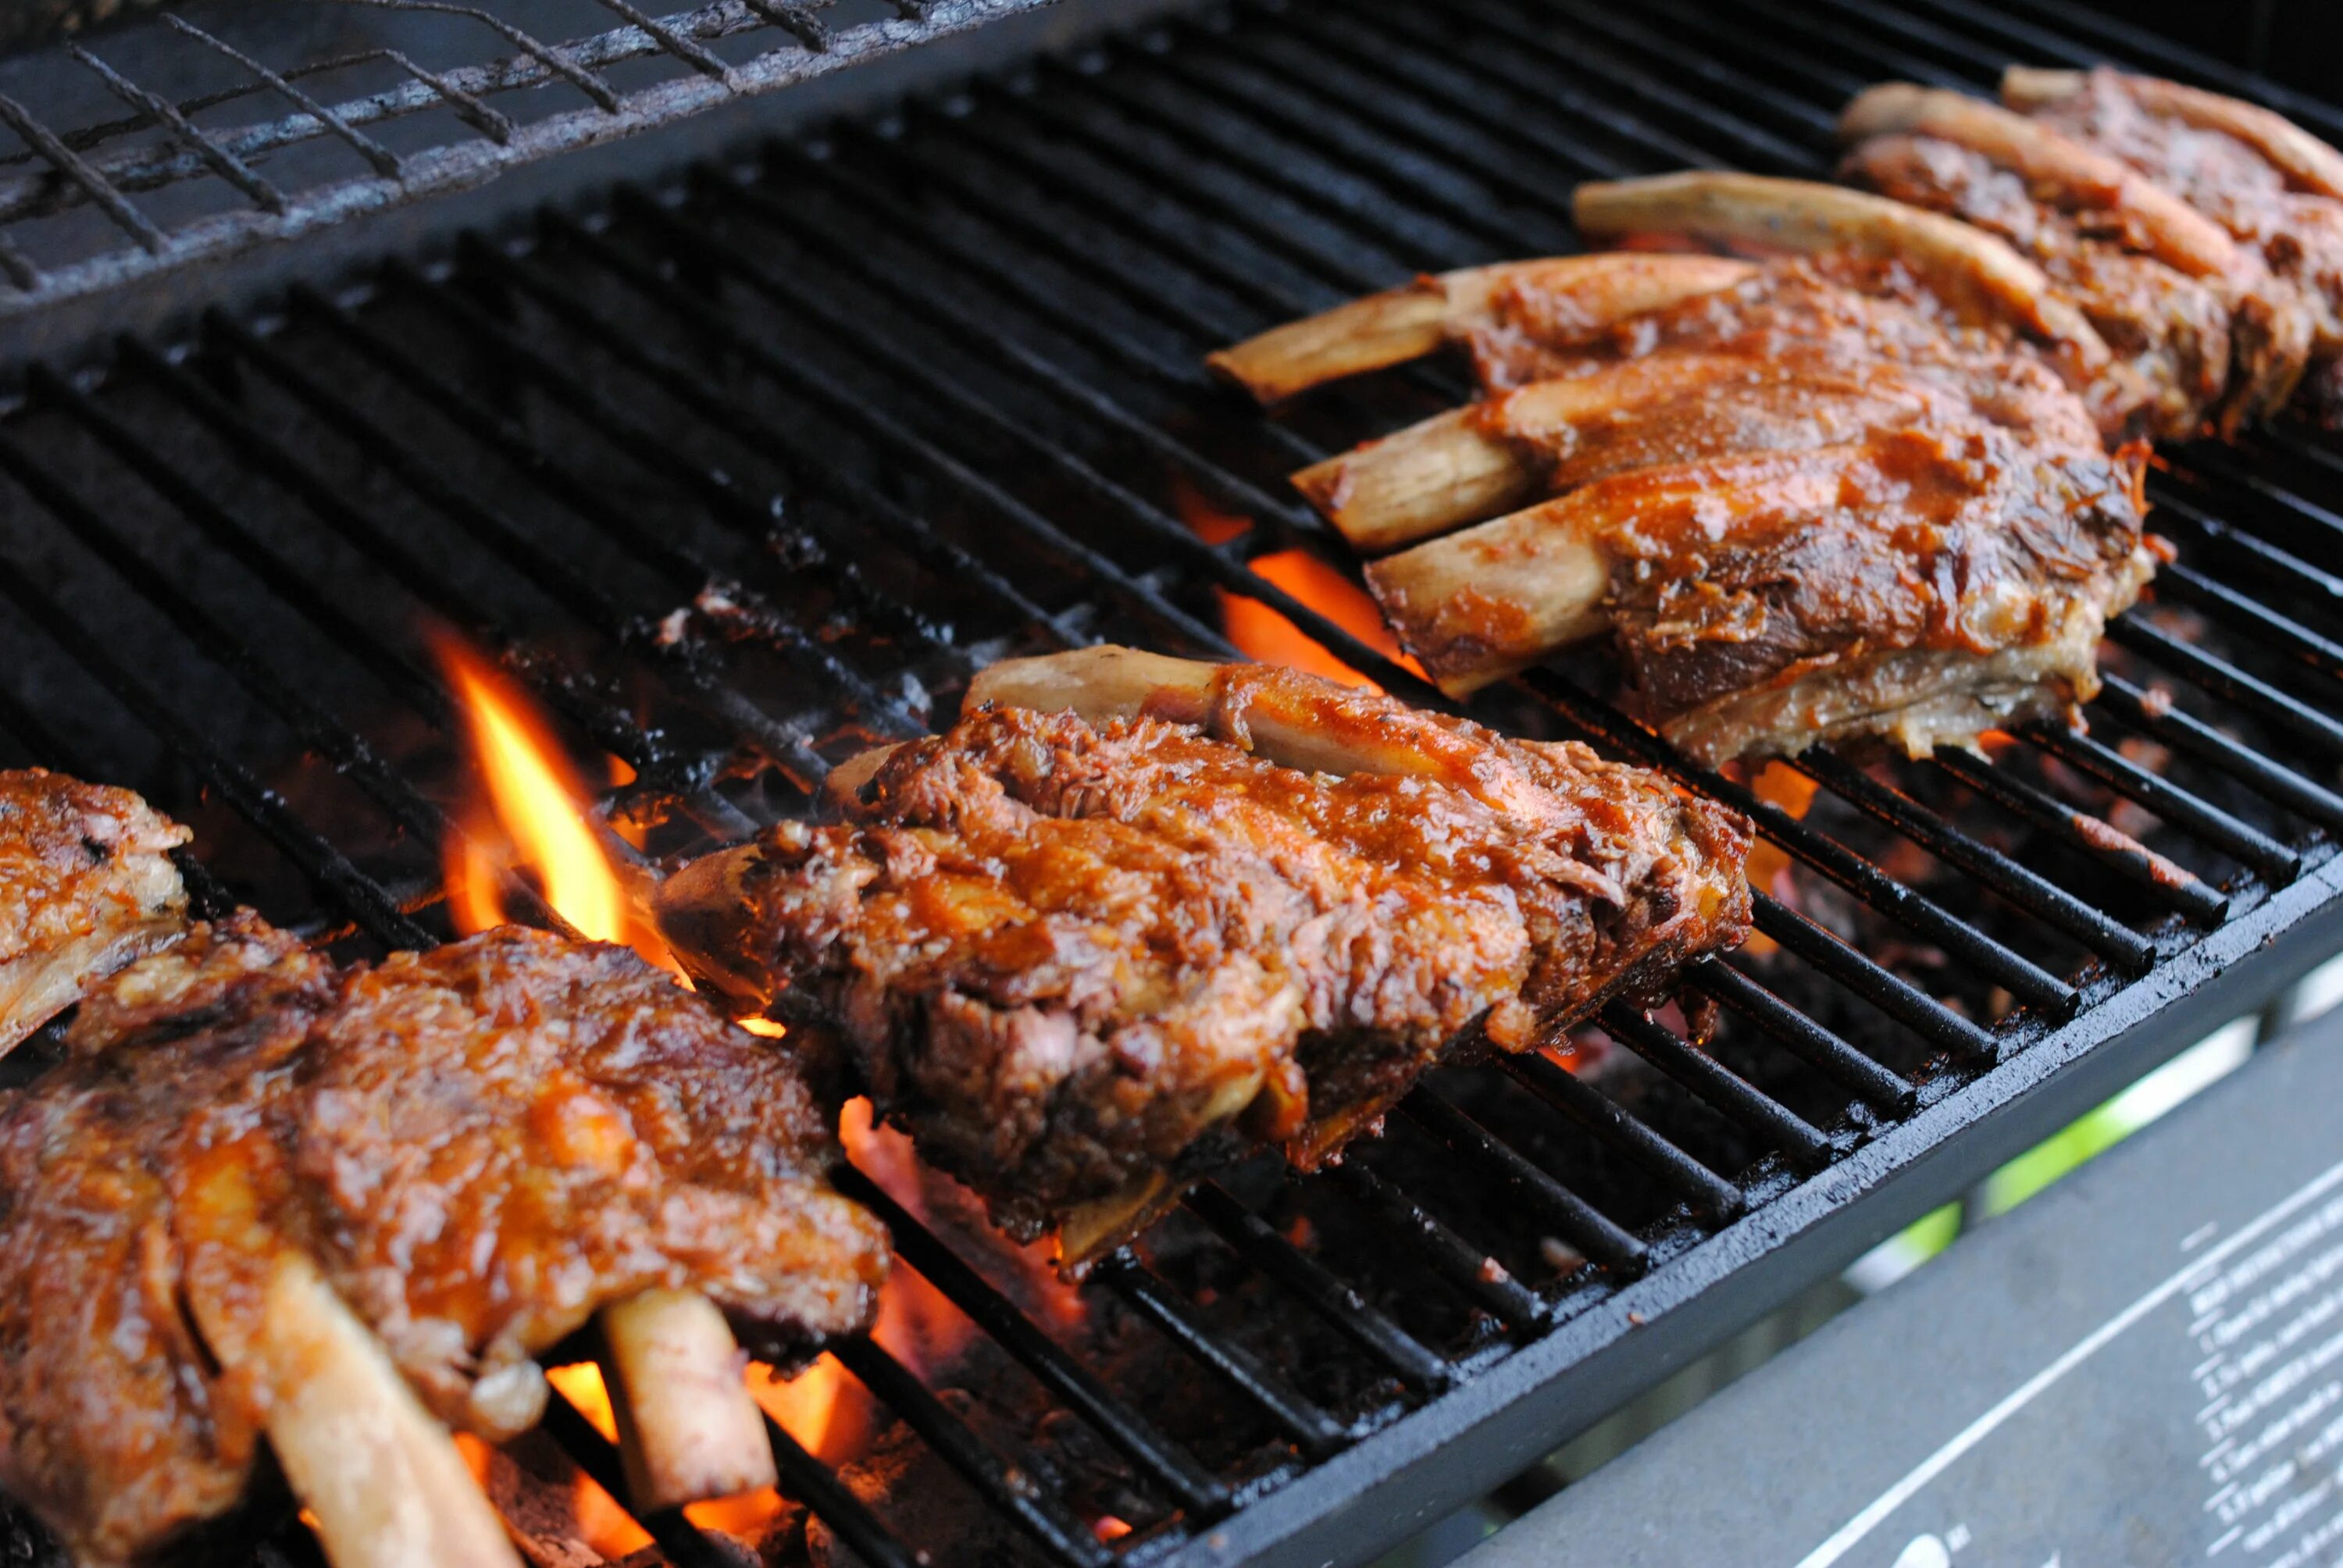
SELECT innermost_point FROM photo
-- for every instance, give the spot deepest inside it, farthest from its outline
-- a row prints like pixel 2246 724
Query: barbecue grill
pixel 742 462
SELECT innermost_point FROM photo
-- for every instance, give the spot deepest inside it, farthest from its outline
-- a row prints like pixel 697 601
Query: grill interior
pixel 742 473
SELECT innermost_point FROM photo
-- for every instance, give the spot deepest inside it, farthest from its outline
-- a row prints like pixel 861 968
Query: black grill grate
pixel 739 475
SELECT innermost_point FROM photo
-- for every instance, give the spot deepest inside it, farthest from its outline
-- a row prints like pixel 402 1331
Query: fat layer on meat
pixel 1076 960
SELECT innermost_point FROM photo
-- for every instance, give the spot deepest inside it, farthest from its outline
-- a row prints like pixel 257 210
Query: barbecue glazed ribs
pixel 86 885
pixel 1130 916
pixel 2198 319
pixel 1913 585
pixel 2275 188
pixel 476 1147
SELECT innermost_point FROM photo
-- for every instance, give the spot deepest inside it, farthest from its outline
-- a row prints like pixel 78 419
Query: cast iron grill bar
pixel 1317 1433
pixel 1331 1299
pixel 2225 680
pixel 2026 889
pixel 1467 1268
pixel 1885 990
pixel 1431 133
pixel 2177 806
pixel 860 412
pixel 684 1543
pixel 1838 84
pixel 1744 137
pixel 2185 585
pixel 1553 94
pixel 1805 1039
pixel 815 1484
pixel 1581 1224
pixel 317 730
pixel 1339 202
pixel 361 898
pixel 1011 1493
pixel 1590 1109
pixel 1810 123
pixel 2263 559
pixel 502 435
pixel 749 724
pixel 1717 1087
pixel 1180 374
pixel 397 672
pixel 1157 524
pixel 2021 975
pixel 610 729
pixel 2184 732
pixel 1170 1466
pixel 835 481
pixel 1217 482
pixel 1406 64
pixel 719 493
pixel 2170 883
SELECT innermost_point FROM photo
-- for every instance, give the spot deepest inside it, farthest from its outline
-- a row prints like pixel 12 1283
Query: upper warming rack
pixel 196 136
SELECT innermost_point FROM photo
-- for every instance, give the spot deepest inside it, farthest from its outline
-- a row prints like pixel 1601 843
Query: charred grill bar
pixel 903 396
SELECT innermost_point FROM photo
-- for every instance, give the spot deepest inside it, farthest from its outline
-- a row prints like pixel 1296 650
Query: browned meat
pixel 1917 585
pixel 86 885
pixel 1801 313
pixel 2267 182
pixel 1083 961
pixel 2173 329
pixel 478 1146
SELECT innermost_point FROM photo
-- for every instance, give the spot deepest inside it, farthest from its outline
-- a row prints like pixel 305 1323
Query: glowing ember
pixel 1779 785
pixel 745 1515
pixel 1266 635
pixel 764 1026
pixel 581 1385
pixel 826 1411
pixel 1109 1528
pixel 537 819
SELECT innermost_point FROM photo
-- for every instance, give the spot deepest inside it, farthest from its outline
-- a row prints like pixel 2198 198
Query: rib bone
pixel 689 1429
pixel 2308 162
pixel 1974 274
pixel 1413 320
pixel 2157 222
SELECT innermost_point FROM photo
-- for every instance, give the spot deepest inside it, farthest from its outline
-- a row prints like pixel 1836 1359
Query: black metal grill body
pixel 741 473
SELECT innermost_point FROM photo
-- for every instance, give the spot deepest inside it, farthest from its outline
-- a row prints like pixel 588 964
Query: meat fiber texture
pixel 478 1146
pixel 1073 958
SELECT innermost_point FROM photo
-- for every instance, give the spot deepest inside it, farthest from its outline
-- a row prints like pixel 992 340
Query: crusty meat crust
pixel 2297 230
pixel 86 885
pixel 1824 316
pixel 479 1146
pixel 1072 958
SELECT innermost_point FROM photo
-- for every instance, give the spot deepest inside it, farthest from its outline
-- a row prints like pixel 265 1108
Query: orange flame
pixel 535 819
pixel 605 1526
pixel 1777 784
pixel 1266 635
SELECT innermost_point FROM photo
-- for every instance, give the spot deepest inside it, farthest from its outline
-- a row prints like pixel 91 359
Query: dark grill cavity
pixel 902 396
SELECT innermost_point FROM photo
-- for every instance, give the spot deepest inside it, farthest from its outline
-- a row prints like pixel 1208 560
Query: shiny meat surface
pixel 478 1146
pixel 1075 961
pixel 2299 232
pixel 1868 589
pixel 1794 312
pixel 2173 328
pixel 2175 331
pixel 86 885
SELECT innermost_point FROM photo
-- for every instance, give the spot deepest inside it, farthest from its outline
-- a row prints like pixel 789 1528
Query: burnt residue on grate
pixel 742 473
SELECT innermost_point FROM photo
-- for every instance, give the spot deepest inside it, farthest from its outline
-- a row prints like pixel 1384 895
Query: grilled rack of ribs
pixel 266 1194
pixel 86 885
pixel 1131 917
pixel 2199 319
pixel 2275 188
